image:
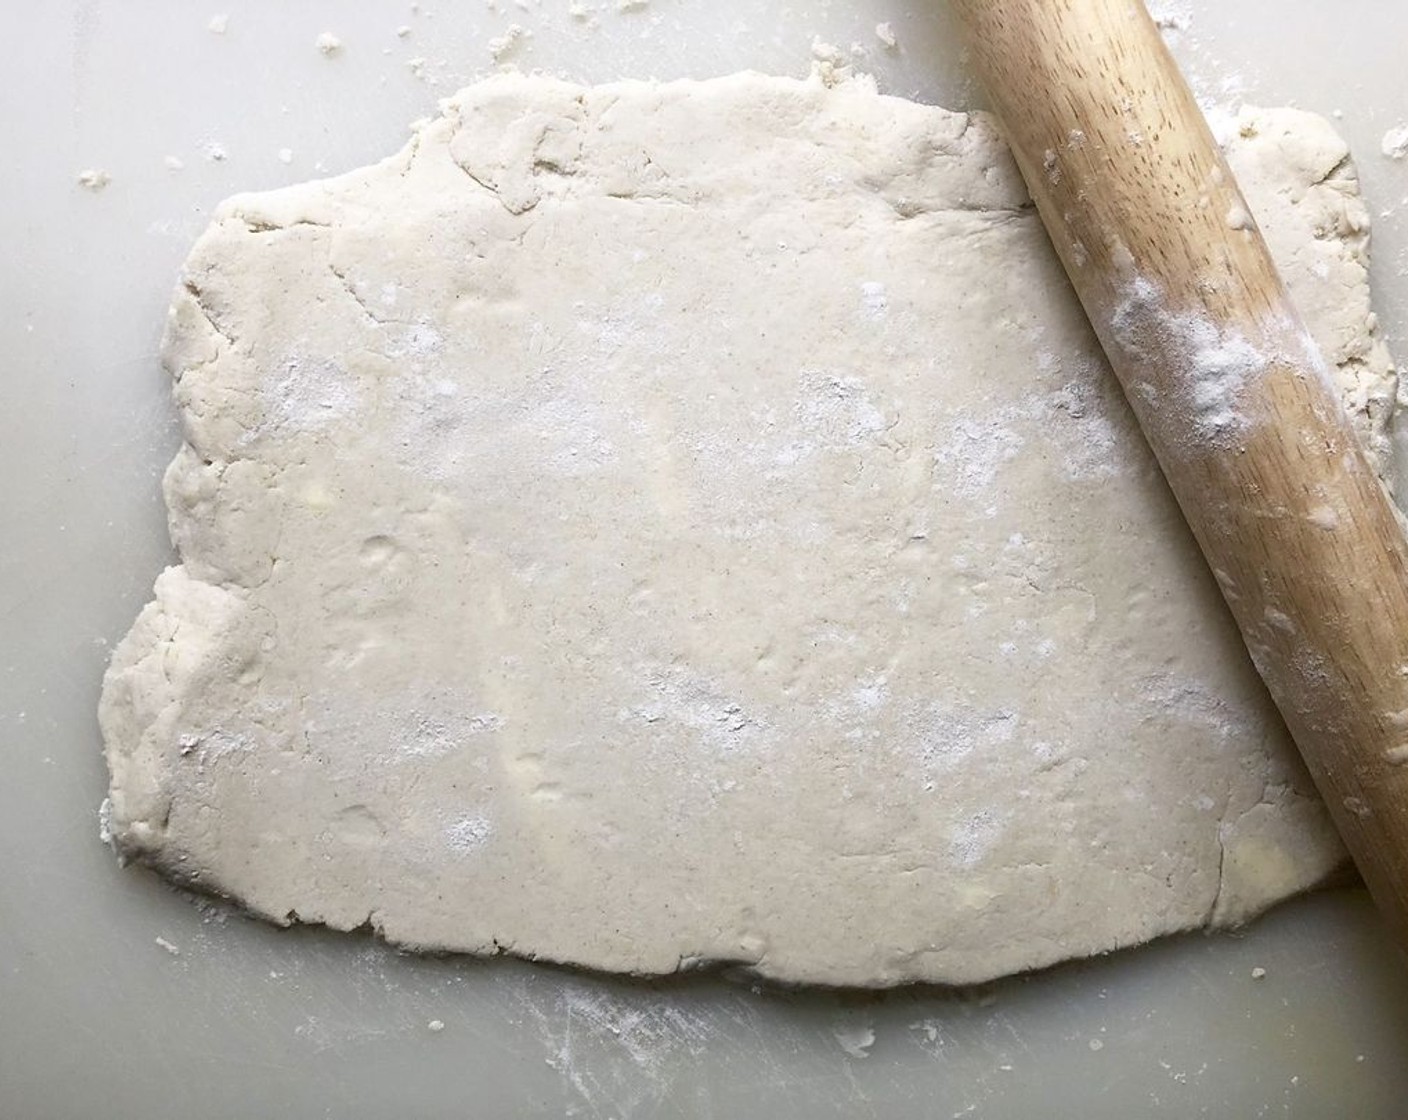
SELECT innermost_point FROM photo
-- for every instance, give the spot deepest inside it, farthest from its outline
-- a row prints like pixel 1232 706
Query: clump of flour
pixel 468 833
pixel 501 46
pixel 1395 142
pixel 1171 16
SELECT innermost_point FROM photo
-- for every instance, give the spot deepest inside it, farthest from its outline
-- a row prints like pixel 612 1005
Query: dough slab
pixel 650 525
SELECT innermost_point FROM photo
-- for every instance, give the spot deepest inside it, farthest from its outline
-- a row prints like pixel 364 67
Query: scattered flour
pixel 212 745
pixel 972 837
pixel 1191 702
pixel 423 734
pixel 310 396
pixel 93 179
pixel 173 163
pixel 975 448
pixel 1220 363
pixel 328 44
pixel 835 413
pixel 947 734
pixel 616 1050
pixel 1078 417
pixel 679 698
pixel 218 24
pixel 886 34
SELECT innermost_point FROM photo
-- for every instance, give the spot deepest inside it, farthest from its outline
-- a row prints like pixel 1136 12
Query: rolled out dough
pixel 651 525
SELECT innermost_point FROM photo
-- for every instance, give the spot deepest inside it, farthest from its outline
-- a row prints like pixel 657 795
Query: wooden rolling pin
pixel 1228 387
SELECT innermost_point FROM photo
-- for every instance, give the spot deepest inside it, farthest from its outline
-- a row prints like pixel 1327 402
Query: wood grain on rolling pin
pixel 1228 387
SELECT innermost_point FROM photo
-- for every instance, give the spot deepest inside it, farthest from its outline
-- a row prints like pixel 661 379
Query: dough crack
pixel 1214 907
pixel 198 295
pixel 1343 171
pixel 908 209
pixel 260 225
pixel 351 290
pixel 518 206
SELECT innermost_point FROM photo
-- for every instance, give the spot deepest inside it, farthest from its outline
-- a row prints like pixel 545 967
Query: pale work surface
pixel 663 525
pixel 243 1019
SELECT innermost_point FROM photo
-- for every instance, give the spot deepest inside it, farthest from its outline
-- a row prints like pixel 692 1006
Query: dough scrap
pixel 651 525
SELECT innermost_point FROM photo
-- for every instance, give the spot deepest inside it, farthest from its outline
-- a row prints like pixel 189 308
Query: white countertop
pixel 120 998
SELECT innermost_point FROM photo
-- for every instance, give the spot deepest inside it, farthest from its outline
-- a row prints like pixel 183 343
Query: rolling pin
pixel 1229 389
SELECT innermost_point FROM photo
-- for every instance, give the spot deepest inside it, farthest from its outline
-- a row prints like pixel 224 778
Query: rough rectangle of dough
pixel 656 524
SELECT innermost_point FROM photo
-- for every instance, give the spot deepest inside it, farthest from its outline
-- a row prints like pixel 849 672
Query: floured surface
pixel 637 526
